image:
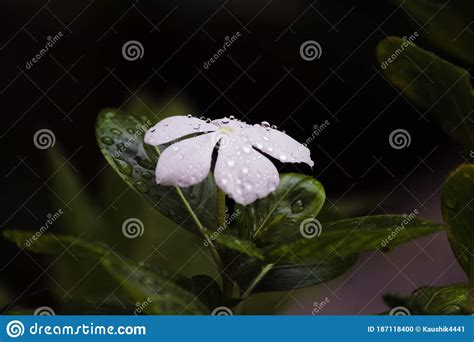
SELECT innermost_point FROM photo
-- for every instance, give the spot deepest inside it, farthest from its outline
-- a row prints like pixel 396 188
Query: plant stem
pixel 252 286
pixel 212 247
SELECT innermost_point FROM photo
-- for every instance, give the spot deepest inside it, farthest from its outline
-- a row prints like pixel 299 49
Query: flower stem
pixel 252 286
pixel 212 247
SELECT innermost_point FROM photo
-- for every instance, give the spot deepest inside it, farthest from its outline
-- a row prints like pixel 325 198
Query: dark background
pixel 85 72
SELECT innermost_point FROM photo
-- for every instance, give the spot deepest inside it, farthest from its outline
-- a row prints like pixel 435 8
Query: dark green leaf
pixel 279 215
pixel 458 213
pixel 232 242
pixel 346 237
pixel 53 244
pixel 120 138
pixel 287 277
pixel 446 24
pixel 157 295
pixel 434 84
pixel 444 300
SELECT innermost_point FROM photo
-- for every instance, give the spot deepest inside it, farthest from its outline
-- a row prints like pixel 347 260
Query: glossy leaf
pixel 157 290
pixel 120 138
pixel 232 242
pixel 278 216
pixel 444 300
pixel 458 213
pixel 287 277
pixel 439 87
pixel 56 244
pixel 446 24
pixel 345 237
pixel 158 295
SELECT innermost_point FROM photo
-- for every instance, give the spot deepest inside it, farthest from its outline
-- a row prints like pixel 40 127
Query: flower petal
pixel 175 127
pixel 187 162
pixel 278 145
pixel 243 173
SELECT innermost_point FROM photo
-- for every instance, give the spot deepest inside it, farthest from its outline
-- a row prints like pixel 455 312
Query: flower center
pixel 225 130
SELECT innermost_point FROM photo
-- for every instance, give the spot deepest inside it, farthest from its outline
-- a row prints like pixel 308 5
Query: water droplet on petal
pixel 230 163
pixel 246 148
pixel 282 157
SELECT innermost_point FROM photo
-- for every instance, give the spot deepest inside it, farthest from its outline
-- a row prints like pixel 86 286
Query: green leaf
pixel 56 244
pixel 157 291
pixel 444 300
pixel 81 216
pixel 458 212
pixel 287 277
pixel 157 294
pixel 120 138
pixel 232 242
pixel 446 24
pixel 345 237
pixel 439 87
pixel 278 216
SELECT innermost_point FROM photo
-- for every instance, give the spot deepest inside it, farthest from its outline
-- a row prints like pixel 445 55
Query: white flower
pixel 241 171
